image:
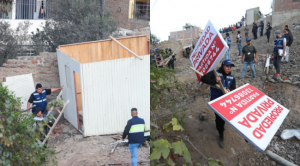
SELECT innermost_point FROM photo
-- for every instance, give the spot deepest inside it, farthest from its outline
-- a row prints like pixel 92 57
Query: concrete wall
pixel 186 34
pixel 44 69
pixel 284 10
pixel 123 16
pixel 251 15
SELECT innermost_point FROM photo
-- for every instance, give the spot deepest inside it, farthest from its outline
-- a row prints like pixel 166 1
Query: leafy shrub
pixel 18 145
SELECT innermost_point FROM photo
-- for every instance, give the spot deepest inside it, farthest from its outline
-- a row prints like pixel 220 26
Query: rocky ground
pixel 73 149
pixel 203 134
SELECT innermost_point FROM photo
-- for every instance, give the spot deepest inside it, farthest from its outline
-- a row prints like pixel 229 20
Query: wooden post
pixel 28 109
pixel 220 83
pixel 126 48
pixel 197 71
pixel 217 85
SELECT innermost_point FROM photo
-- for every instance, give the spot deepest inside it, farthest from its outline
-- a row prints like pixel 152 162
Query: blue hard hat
pixel 248 39
pixel 227 62
pixel 152 51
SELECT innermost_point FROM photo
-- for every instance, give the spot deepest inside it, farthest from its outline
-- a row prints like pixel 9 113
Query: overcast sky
pixel 171 15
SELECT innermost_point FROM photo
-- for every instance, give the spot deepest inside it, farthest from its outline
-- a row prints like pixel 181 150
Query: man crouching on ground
pixel 228 82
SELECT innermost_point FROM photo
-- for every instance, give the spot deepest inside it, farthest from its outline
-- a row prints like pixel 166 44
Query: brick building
pixel 186 35
pixel 284 10
pixel 131 14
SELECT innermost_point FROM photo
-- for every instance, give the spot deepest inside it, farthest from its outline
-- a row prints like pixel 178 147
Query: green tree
pixel 5 6
pixel 11 40
pixel 154 40
pixel 18 145
pixel 73 21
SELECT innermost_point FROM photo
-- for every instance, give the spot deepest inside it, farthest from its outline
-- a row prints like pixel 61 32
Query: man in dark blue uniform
pixel 279 44
pixel 135 129
pixel 39 98
pixel 229 84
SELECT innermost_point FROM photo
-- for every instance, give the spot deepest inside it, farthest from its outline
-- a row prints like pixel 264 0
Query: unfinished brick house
pixel 284 10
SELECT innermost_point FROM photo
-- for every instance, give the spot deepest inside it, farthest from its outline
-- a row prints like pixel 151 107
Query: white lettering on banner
pixel 240 96
pixel 205 40
pixel 251 113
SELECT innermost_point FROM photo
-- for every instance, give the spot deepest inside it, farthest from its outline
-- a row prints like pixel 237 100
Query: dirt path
pixel 73 149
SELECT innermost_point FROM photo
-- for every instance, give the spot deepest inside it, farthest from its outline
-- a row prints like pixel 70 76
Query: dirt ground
pixel 237 151
pixel 74 149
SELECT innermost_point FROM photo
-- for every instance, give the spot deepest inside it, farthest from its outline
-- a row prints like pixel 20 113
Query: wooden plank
pixel 94 51
pixel 103 50
pixel 112 50
pixel 76 98
pixel 197 71
pixel 108 51
pixel 127 48
pixel 74 44
pixel 115 50
pixel 123 52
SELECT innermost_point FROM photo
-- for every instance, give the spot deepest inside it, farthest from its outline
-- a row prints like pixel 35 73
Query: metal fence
pixel 142 10
pixel 32 9
pixel 25 50
pixel 31 50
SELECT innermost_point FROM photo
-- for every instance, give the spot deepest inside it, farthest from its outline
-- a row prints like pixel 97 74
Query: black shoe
pixel 221 142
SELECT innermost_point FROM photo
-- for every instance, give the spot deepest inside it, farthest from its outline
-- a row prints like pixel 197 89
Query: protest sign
pixel 209 50
pixel 254 115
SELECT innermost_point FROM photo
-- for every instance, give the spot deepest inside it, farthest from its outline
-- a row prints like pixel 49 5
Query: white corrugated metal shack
pixel 103 81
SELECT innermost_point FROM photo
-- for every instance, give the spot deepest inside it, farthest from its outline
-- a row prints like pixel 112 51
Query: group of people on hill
pixel 159 54
pixel 248 55
pixel 282 42
pixel 233 27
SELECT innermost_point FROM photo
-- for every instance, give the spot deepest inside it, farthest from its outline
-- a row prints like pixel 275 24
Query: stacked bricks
pixel 285 5
pixel 44 69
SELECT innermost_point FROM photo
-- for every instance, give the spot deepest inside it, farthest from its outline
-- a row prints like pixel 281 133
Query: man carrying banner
pixel 229 84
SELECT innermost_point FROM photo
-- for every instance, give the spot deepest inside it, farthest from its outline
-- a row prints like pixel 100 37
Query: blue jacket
pixel 278 44
pixel 214 92
pixel 40 100
pixel 228 41
pixel 135 129
pixel 237 38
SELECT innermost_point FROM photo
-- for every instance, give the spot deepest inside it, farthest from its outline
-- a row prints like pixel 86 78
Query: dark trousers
pixel 220 125
pixel 268 37
pixel 262 31
pixel 255 34
pixel 276 62
pixel 171 63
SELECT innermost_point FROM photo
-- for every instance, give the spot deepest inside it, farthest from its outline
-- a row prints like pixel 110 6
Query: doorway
pixel 78 101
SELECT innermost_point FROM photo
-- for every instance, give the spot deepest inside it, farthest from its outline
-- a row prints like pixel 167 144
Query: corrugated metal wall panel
pixel 68 93
pixel 22 86
pixel 110 89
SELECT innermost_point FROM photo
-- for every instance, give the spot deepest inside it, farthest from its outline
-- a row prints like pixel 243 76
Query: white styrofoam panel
pixel 68 92
pixel 110 89
pixel 22 86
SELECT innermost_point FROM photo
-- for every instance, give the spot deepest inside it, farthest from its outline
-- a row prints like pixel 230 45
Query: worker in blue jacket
pixel 228 81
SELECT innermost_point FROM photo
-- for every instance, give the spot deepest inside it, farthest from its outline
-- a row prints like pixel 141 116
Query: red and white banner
pixel 254 115
pixel 209 50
